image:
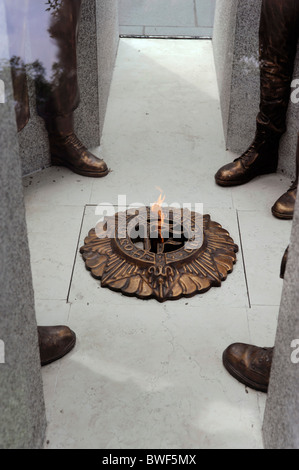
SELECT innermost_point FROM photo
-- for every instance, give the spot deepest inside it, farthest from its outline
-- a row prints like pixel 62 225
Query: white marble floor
pixel 167 18
pixel 146 375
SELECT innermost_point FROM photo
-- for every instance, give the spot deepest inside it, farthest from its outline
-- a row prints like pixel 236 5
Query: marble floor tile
pixel 262 322
pixel 259 194
pixel 54 219
pixel 52 312
pixel 52 259
pixel 264 240
pixel 58 186
pixel 151 377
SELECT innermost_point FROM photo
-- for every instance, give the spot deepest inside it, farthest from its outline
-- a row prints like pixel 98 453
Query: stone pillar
pixel 97 48
pixel 281 419
pixel 235 44
pixel 22 422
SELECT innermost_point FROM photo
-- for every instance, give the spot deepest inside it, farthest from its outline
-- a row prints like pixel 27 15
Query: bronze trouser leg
pixel 279 28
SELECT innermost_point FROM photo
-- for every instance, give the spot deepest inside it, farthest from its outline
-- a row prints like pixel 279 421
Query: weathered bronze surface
pixel 250 365
pixel 54 342
pixel 259 159
pixel 278 38
pixel 68 150
pixel 155 268
pixel 51 28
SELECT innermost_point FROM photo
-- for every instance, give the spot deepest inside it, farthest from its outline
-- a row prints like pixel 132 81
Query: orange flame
pixel 157 207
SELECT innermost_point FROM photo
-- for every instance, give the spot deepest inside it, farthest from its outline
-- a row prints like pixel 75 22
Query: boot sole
pixel 225 183
pixel 281 216
pixel 249 383
pixel 228 183
pixel 56 161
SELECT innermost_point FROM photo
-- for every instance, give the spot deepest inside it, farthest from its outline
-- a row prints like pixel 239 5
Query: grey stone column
pixel 281 419
pixel 97 48
pixel 235 44
pixel 22 412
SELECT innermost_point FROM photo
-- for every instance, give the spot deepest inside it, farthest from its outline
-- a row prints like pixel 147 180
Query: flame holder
pixel 131 254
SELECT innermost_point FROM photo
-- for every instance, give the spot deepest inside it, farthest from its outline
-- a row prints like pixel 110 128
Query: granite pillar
pixel 235 44
pixel 281 418
pixel 97 48
pixel 22 411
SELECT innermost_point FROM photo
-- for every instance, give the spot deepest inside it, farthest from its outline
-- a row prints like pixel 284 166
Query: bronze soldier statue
pixel 278 38
pixel 47 31
pixel 279 33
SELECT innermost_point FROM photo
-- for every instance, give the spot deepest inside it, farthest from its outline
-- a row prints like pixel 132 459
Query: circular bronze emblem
pixel 135 254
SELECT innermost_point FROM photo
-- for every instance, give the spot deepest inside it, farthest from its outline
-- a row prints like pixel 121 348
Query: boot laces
pixel 72 139
pixel 260 139
pixel 247 154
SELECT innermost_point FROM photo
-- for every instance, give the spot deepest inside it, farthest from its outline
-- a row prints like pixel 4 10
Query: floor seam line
pixel 243 258
pixel 75 258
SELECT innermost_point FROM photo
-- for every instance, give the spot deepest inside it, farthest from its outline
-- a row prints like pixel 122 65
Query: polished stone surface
pixel 144 374
pixel 280 428
pixel 97 49
pixel 23 421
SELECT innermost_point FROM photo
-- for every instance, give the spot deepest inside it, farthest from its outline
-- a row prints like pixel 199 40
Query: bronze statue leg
pixel 278 36
pixel 279 32
pixel 49 51
pixel 58 91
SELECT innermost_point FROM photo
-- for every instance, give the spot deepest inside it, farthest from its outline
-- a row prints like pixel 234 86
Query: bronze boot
pixel 54 342
pixel 249 364
pixel 259 159
pixel 285 205
pixel 67 150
